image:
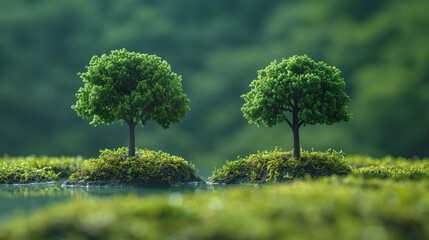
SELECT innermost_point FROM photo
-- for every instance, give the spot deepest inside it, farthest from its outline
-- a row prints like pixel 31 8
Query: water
pixel 26 198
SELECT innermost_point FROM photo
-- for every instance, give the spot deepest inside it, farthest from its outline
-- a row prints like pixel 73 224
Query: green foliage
pixel 321 209
pixel 313 91
pixel 36 169
pixel 147 168
pixel 279 166
pixel 131 87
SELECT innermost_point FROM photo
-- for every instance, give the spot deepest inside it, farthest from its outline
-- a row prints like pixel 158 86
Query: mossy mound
pixel 315 209
pixel 147 168
pixel 389 167
pixel 279 166
pixel 33 169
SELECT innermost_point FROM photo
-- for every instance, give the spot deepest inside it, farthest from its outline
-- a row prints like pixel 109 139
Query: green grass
pixel 148 168
pixel 36 169
pixel 325 208
pixel 279 166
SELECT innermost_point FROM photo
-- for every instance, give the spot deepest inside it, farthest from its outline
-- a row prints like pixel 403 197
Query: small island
pixel 280 166
pixel 146 168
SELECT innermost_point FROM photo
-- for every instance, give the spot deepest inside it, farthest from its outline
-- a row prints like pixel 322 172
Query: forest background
pixel 382 48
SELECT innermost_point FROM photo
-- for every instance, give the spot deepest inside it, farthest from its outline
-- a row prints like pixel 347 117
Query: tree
pixel 297 91
pixel 131 88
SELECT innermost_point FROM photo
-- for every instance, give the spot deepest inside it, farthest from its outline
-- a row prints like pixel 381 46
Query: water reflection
pixel 25 198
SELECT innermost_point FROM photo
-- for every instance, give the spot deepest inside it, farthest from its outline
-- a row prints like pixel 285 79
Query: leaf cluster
pixel 312 90
pixel 131 87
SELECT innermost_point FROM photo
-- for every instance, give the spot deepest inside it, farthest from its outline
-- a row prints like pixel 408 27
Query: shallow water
pixel 26 198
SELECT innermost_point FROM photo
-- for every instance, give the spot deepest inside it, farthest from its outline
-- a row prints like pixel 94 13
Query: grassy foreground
pixel 37 169
pixel 147 168
pixel 326 208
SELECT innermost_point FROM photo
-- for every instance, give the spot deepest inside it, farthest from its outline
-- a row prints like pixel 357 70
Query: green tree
pixel 132 88
pixel 297 91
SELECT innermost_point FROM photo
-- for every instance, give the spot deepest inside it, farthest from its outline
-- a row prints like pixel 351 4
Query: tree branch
pixel 126 120
pixel 300 123
pixel 130 122
pixel 288 122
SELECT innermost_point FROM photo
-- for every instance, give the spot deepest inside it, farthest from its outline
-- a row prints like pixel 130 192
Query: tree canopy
pixel 309 92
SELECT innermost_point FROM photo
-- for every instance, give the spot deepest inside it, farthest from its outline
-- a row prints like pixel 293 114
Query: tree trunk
pixel 295 129
pixel 132 146
pixel 296 147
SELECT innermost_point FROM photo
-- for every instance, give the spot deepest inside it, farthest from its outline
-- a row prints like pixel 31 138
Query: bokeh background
pixel 382 48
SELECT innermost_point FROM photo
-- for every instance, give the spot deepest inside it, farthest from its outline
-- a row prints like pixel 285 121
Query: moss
pixel 359 161
pixel 389 167
pixel 392 172
pixel 36 169
pixel 278 166
pixel 147 168
pixel 325 208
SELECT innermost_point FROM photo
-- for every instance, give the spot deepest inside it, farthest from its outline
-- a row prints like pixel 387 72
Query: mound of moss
pixel 389 167
pixel 314 209
pixel 278 166
pixel 147 168
pixel 36 169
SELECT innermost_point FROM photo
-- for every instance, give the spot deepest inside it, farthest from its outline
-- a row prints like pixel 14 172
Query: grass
pixel 36 169
pixel 148 168
pixel 326 208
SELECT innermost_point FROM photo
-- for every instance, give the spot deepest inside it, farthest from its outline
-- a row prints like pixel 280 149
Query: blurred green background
pixel 382 48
